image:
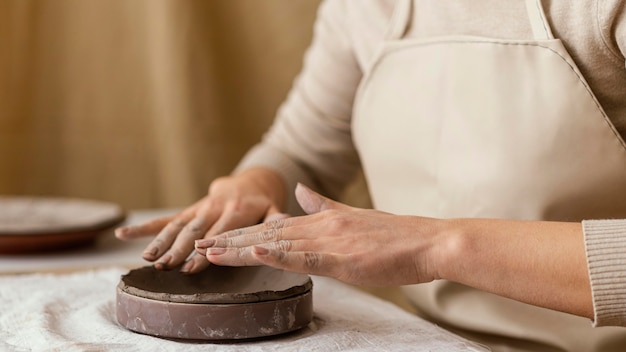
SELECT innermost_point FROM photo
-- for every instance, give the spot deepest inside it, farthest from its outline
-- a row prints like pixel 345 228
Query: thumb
pixel 313 202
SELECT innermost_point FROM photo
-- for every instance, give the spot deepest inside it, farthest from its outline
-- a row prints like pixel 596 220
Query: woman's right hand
pixel 247 198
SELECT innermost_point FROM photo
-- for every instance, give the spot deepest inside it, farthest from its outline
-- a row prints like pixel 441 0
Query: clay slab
pixel 220 303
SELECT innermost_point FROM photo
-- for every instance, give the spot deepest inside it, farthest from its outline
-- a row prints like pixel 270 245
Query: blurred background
pixel 140 102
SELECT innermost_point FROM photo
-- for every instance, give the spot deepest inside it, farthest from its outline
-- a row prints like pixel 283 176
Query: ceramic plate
pixel 39 224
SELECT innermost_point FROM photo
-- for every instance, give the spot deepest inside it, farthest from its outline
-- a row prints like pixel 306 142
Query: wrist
pixel 452 250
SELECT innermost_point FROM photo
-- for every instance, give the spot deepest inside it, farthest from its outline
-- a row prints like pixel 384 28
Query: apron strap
pixel 538 22
pixel 400 19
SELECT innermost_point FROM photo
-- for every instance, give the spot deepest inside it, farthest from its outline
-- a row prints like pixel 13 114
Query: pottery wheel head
pixel 216 284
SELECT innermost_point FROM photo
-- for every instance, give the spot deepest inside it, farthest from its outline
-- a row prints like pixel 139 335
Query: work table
pixel 66 301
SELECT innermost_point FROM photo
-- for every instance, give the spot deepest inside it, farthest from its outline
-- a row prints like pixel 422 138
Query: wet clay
pixel 220 303
pixel 216 284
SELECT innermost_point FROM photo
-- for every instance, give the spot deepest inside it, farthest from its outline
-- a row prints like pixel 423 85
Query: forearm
pixel 540 263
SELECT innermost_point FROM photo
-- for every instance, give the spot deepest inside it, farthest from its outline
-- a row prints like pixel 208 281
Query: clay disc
pixel 31 224
pixel 220 303
pixel 215 284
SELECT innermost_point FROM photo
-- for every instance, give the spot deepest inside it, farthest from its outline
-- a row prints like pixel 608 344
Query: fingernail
pixel 209 242
pixel 163 263
pixel 187 267
pixel 150 252
pixel 260 250
pixel 201 250
pixel 215 251
pixel 121 232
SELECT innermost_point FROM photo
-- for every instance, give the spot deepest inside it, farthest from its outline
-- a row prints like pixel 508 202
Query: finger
pixel 212 220
pixel 232 256
pixel 196 263
pixel 282 245
pixel 313 202
pixel 308 262
pixel 181 243
pixel 243 237
pixel 152 227
pixel 164 239
pixel 244 256
pixel 149 228
pixel 264 232
pixel 234 218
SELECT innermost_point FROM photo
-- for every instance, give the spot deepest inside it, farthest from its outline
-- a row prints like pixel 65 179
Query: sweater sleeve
pixel 310 141
pixel 605 242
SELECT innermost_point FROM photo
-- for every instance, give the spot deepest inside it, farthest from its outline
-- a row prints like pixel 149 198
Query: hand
pixel 358 246
pixel 245 199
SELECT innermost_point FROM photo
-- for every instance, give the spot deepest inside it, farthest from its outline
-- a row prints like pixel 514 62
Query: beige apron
pixel 462 126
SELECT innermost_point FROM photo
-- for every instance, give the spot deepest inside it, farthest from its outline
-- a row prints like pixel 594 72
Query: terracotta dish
pixel 220 303
pixel 39 224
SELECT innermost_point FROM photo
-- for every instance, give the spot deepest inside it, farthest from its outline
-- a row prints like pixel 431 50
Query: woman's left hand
pixel 357 246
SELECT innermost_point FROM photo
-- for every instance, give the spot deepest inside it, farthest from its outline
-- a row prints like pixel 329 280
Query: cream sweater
pixel 311 141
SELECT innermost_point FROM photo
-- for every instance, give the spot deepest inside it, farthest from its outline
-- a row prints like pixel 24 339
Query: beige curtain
pixel 140 102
